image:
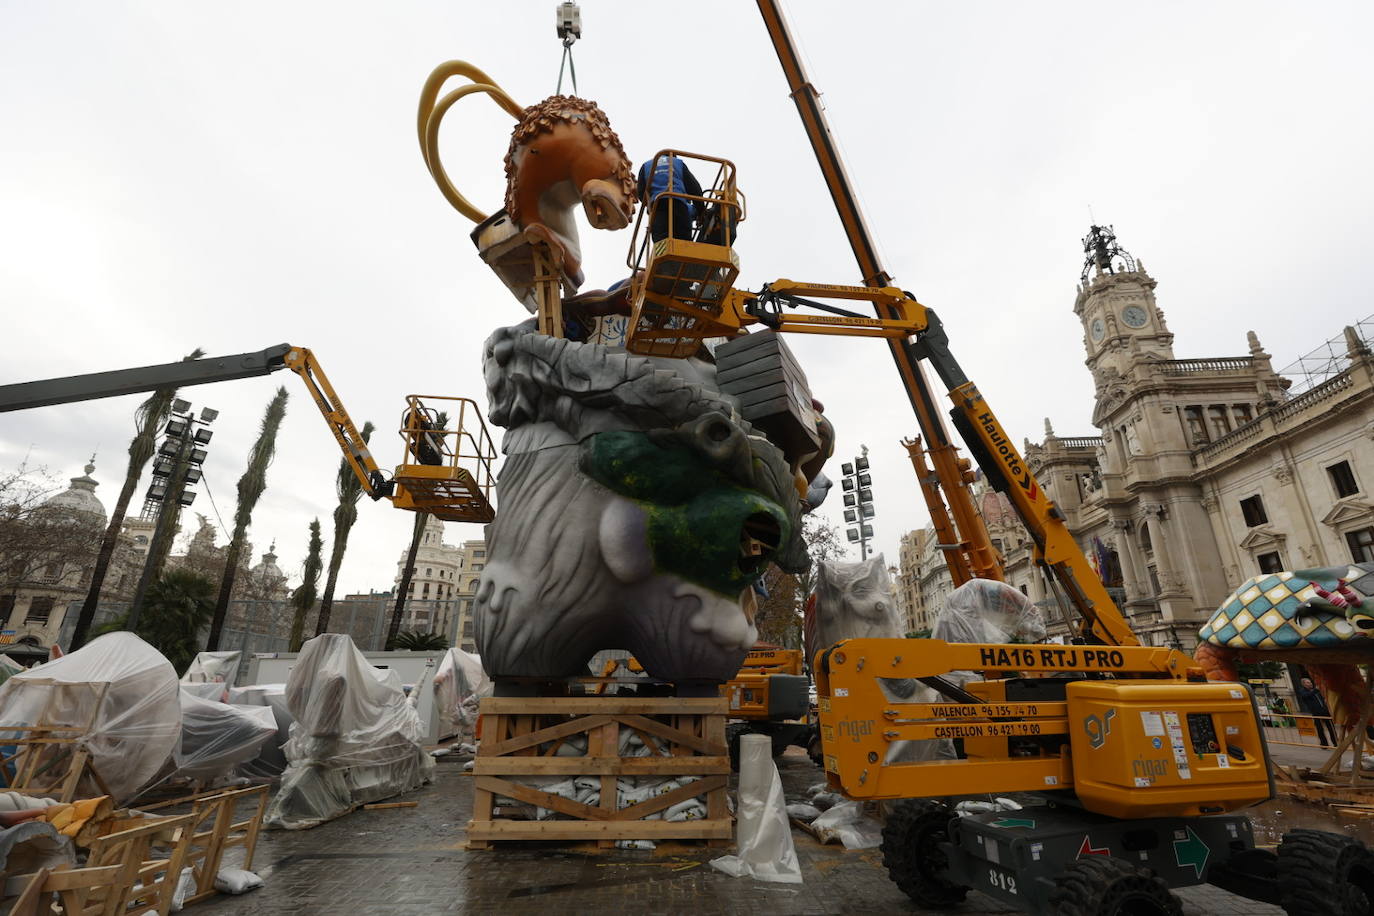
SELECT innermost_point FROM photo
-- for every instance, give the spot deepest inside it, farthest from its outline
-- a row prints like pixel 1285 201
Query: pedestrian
pixel 660 176
pixel 1311 701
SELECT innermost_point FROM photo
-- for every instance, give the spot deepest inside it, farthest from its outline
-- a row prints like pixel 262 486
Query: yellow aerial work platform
pixel 447 469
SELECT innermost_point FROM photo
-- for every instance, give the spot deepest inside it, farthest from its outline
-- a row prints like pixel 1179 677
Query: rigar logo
pixel 856 729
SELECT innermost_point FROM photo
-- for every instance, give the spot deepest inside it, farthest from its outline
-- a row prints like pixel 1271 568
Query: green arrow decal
pixel 1191 851
pixel 1012 822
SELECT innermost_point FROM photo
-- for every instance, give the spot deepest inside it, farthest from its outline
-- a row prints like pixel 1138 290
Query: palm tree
pixel 175 609
pixel 303 598
pixel 415 641
pixel 148 420
pixel 251 485
pixel 349 489
pixel 418 532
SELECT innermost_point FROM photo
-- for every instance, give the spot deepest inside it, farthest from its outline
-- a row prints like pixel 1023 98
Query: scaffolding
pixel 1328 360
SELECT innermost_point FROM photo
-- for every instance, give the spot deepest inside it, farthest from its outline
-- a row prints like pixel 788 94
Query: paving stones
pixel 411 862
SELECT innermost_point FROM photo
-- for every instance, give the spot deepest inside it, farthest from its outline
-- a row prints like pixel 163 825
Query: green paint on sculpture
pixel 696 511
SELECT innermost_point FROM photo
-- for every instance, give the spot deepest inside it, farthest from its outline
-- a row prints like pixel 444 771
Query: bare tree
pixel 37 540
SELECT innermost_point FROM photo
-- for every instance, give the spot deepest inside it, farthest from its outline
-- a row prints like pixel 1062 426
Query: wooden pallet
pixel 520 737
pixel 213 830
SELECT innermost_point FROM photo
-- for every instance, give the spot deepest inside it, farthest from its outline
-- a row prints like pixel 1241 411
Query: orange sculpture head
pixel 563 153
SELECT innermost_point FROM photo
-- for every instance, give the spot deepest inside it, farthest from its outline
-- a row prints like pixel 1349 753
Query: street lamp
pixel 858 500
pixel 177 468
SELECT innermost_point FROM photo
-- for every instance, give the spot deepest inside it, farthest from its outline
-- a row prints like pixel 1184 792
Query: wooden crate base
pixel 522 735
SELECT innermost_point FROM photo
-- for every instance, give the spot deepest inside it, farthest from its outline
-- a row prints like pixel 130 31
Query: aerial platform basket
pixel 447 470
pixel 680 283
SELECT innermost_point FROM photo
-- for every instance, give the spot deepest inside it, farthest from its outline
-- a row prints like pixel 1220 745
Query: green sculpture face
pixel 702 526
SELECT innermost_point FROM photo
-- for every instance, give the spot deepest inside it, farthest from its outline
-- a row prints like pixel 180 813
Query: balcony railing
pixel 1210 364
pixel 1312 396
pixel 1093 442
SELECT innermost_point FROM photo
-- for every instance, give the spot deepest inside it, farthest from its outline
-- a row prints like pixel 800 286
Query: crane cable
pixel 569 29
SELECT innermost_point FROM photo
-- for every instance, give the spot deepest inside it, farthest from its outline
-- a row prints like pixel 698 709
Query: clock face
pixel 1098 330
pixel 1134 316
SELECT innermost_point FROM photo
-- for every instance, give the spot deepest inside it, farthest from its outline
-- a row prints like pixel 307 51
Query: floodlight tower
pixel 176 469
pixel 858 500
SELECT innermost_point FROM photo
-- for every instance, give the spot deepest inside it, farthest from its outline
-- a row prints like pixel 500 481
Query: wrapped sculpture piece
pixel 987 611
pixel 459 684
pixel 217 737
pixel 119 686
pixel 636 508
pixel 355 739
pixel 853 601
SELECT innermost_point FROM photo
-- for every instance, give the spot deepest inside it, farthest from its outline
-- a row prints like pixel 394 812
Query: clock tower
pixel 1116 303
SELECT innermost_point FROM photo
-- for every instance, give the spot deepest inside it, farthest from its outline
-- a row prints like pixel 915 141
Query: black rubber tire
pixel 1325 874
pixel 814 749
pixel 1106 886
pixel 913 860
pixel 733 732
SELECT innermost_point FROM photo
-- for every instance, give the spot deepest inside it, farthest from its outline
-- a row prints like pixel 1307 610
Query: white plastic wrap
pixel 271 759
pixel 984 610
pixel 216 737
pixel 459 684
pixel 763 838
pixel 137 720
pixel 355 739
pixel 8 667
pixel 213 668
pixel 853 601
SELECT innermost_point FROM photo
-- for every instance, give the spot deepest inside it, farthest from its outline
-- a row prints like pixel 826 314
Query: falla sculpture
pixel 637 506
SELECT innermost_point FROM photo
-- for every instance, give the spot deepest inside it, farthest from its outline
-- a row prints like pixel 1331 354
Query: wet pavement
pixel 413 861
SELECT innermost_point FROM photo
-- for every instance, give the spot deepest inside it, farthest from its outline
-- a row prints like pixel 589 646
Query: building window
pixel 39 610
pixel 1220 424
pixel 1154 580
pixel 1243 413
pixel 467 629
pixel 425 592
pixel 1023 590
pixel 1145 543
pixel 1270 562
pixel 477 567
pixel 1361 545
pixel 1343 479
pixel 479 553
pixel 429 572
pixel 1252 508
pixel 6 608
pixel 1197 430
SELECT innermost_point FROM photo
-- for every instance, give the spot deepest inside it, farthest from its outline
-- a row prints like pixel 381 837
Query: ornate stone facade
pixel 1206 471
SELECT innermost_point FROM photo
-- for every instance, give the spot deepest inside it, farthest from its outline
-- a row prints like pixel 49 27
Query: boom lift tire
pixel 733 733
pixel 911 852
pixel 1325 874
pixel 1107 886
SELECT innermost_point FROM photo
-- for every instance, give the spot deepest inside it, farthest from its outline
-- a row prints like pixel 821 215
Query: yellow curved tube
pixel 430 115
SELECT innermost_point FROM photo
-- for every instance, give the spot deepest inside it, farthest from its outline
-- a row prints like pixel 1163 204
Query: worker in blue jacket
pixel 668 173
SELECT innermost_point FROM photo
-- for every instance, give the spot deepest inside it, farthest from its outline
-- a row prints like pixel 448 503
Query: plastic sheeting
pixel 355 739
pixel 459 684
pixel 216 737
pixel 984 610
pixel 208 668
pixel 271 759
pixel 764 835
pixel 847 823
pixel 137 723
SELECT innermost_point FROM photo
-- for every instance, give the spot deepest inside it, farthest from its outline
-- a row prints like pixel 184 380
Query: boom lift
pixel 446 470
pixel 1137 757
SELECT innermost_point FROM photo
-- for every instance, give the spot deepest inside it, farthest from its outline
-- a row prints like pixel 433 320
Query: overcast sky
pixel 232 176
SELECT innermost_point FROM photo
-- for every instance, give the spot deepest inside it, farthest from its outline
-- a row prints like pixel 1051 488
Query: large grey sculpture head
pixel 853 601
pixel 635 508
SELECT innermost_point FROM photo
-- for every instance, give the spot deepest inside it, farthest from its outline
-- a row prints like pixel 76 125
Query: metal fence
pixel 1300 730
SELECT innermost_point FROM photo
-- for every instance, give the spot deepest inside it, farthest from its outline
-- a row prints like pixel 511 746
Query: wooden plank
pixel 611 706
pixel 600 766
pixel 386 805
pixel 668 799
pixel 598 830
pixel 674 734
pixel 551 733
pixel 539 798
